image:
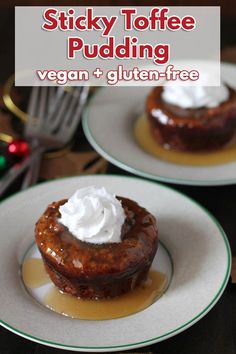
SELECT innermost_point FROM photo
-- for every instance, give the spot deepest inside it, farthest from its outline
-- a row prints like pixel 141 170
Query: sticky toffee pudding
pixel 98 271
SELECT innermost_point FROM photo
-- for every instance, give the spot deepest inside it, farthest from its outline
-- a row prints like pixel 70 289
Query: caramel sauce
pixel 121 306
pixel 34 274
pixel 149 144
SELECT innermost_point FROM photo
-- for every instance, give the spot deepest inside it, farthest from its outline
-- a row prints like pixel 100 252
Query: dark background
pixel 216 332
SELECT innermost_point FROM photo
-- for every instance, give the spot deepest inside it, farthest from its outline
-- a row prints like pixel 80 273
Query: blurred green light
pixel 3 162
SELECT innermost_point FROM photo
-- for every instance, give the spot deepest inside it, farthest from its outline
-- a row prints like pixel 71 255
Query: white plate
pixel 195 241
pixel 108 125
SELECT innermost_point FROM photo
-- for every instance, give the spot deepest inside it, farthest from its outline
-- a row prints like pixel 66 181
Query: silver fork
pixel 50 118
pixel 53 119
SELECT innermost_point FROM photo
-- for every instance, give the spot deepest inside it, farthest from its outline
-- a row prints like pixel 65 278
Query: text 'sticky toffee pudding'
pixel 96 245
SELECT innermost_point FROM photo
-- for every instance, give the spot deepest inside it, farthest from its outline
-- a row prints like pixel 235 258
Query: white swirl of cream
pixel 93 215
pixel 195 96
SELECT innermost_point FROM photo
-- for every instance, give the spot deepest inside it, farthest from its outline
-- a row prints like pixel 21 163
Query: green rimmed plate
pixel 195 241
pixel 108 124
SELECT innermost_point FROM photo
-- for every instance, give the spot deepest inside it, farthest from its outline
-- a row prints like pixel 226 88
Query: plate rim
pixel 157 339
pixel 117 162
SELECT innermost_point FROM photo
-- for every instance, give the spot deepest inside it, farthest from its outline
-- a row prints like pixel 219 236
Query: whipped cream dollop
pixel 195 96
pixel 93 215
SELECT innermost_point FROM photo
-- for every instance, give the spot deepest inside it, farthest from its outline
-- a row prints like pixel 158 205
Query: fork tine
pixel 51 99
pixel 78 110
pixel 60 101
pixel 33 121
pixel 33 101
pixel 83 97
pixel 75 100
pixel 73 115
pixel 59 92
pixel 36 112
pixel 52 102
pixel 42 103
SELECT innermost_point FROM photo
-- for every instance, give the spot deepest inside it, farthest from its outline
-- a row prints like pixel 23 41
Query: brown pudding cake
pixel 191 129
pixel 97 271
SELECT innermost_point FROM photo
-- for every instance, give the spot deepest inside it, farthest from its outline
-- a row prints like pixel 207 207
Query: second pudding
pixel 192 118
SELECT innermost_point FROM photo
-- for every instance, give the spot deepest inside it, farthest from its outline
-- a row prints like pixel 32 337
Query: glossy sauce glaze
pixel 92 270
pixel 33 273
pixel 149 144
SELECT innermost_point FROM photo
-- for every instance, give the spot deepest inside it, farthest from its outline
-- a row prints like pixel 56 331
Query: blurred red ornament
pixel 19 148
